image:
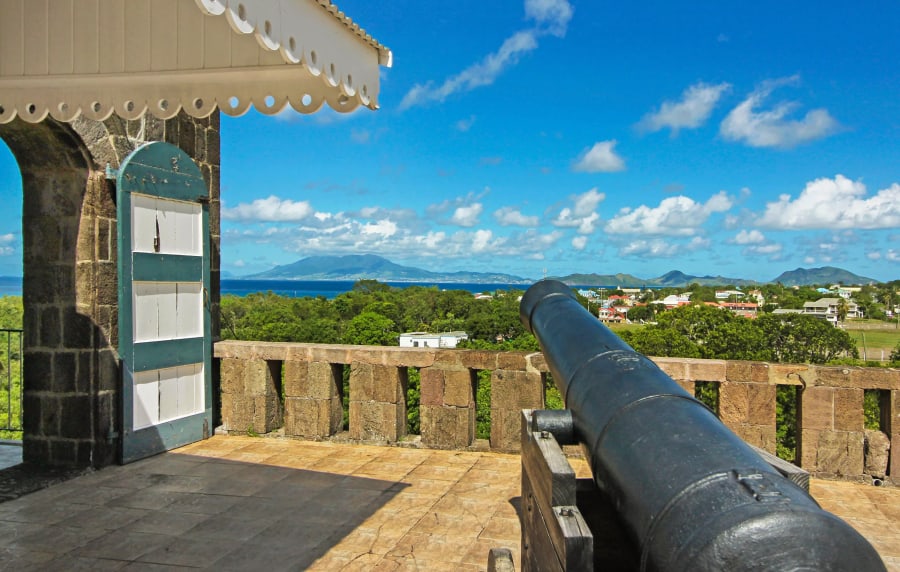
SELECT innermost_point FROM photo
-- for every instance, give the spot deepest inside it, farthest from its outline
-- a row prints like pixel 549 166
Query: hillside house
pixel 426 340
pixel 827 308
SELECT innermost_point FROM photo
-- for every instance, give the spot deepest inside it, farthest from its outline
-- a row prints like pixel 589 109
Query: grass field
pixel 873 344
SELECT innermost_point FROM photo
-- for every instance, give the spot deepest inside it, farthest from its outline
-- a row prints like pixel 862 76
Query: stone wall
pixel 71 371
pixel 830 430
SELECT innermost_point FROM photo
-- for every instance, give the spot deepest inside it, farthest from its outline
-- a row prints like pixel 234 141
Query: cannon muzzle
pixel 692 494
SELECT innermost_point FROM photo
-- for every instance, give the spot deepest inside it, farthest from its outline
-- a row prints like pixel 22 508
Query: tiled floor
pixel 233 503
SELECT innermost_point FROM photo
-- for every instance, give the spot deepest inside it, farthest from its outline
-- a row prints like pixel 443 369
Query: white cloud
pixel 271 209
pixel 509 216
pixel 773 248
pixel 773 127
pixel 383 228
pixel 481 241
pixel 550 17
pixel 837 203
pixel 675 216
pixel 874 255
pixel 553 15
pixel 694 108
pixel 467 215
pixel 751 237
pixel 655 248
pixel 465 124
pixel 579 242
pixel 601 158
pixel 892 255
pixel 582 215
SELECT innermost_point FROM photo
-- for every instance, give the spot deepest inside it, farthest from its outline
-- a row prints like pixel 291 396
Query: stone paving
pixel 240 503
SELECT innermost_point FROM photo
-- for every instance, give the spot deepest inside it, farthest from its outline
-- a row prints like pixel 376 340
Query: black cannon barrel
pixel 693 494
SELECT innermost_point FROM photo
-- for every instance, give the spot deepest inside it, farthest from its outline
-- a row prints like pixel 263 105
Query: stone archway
pixel 71 368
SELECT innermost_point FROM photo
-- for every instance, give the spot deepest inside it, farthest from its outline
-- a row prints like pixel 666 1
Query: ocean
pixel 332 288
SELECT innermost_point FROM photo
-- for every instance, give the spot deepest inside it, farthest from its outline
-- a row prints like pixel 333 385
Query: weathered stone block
pixel 447 427
pixel 762 401
pixel 459 388
pixel 734 404
pixel 832 376
pixel 789 374
pixel 840 453
pixel 511 361
pixel 875 378
pixel 893 430
pixel 75 417
pixel 516 390
pixel 755 372
pixel 431 386
pixel 675 368
pixel 232 376
pixel 688 386
pixel 807 448
pixel 759 436
pixel 372 420
pixel 506 430
pixel 706 370
pixel 311 418
pixel 362 382
pixel 877 453
pixel 817 408
pixel 848 410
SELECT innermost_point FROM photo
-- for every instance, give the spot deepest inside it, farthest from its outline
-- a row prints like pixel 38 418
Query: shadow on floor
pixel 185 510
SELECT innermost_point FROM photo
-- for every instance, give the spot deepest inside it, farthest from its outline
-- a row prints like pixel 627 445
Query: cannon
pixel 690 493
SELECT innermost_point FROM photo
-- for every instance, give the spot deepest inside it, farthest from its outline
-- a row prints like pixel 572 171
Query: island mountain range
pixel 372 267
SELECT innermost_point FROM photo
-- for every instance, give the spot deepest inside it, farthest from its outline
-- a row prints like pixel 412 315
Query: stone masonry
pixel 71 371
pixel 830 431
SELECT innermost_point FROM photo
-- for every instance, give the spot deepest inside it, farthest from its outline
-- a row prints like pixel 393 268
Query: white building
pixel 827 308
pixel 426 340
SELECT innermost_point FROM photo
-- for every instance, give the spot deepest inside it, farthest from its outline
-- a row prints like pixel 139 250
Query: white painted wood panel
pixel 189 311
pixel 143 223
pixel 168 393
pixel 12 61
pixel 86 44
pixel 35 29
pixel 146 311
pixel 167 301
pixel 60 37
pixel 146 399
pixel 190 389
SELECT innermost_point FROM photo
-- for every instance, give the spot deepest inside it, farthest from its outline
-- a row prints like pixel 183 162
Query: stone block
pixel 675 368
pixel 688 386
pixel 877 452
pixel 789 374
pixel 64 372
pixel 311 418
pixel 506 430
pixel 362 382
pixel 840 453
pixel 747 371
pixel 447 427
pixel 875 378
pixel 480 359
pixel 706 370
pixel 512 361
pixel 431 386
pixel 516 390
pixel 832 376
pixel 807 448
pixel 50 330
pixel 390 384
pixel 893 430
pixel 848 410
pixel 325 380
pixel 734 404
pixel 75 417
pixel 232 376
pixel 38 370
pixel 759 436
pixel 762 400
pixel 459 388
pixel 817 408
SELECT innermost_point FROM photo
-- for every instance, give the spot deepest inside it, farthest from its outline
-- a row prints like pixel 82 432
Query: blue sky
pixel 730 138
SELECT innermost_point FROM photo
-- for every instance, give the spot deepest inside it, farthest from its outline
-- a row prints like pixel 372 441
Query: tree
pixel 371 329
pixel 842 309
pixel 660 342
pixel 895 354
pixel 641 313
pixel 796 338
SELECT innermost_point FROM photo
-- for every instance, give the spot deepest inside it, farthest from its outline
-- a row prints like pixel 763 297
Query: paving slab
pixel 239 503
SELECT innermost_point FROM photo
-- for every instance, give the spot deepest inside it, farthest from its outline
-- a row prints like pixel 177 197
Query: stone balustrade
pixel 267 386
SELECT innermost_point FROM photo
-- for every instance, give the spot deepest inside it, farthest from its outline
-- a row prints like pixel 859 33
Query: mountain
pixel 372 267
pixel 672 279
pixel 825 275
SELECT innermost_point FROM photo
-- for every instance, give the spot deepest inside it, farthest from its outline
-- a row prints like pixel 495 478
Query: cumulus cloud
pixel 773 127
pixel 579 242
pixel 675 216
pixel 874 255
pixel 892 255
pixel 6 244
pixel 550 17
pixel 837 203
pixel 383 228
pixel 510 216
pixel 749 237
pixel 582 215
pixel 650 248
pixel 773 248
pixel 601 158
pixel 694 108
pixel 271 209
pixel 467 215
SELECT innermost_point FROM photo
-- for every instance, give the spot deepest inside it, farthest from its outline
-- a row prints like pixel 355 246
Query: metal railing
pixel 10 383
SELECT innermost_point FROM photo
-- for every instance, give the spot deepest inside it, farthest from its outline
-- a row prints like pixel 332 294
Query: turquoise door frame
pixel 165 337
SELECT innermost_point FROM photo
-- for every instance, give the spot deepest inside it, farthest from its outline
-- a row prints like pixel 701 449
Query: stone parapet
pixel 829 429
